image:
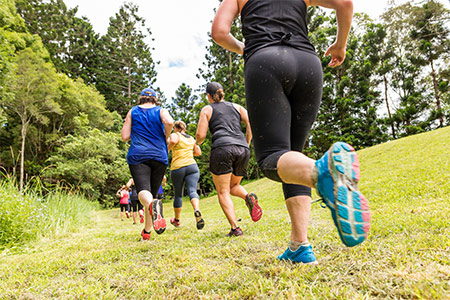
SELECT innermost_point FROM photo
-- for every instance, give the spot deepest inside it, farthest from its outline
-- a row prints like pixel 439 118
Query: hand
pixel 337 55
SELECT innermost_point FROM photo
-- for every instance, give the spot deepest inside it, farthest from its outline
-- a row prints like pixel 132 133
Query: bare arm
pixel 197 150
pixel 173 141
pixel 203 124
pixel 126 129
pixel 167 120
pixel 344 15
pixel 244 119
pixel 220 31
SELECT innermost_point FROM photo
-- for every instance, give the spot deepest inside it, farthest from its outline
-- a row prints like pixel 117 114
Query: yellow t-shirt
pixel 182 153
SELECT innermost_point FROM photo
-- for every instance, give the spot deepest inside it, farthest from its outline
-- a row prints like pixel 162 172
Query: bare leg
pixel 222 183
pixel 296 168
pixel 134 217
pixel 121 215
pixel 195 203
pixel 146 198
pixel 299 209
pixel 236 189
pixel 177 212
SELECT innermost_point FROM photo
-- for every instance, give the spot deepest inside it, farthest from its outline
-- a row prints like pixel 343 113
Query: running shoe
pixel 199 220
pixel 128 216
pixel 235 232
pixel 304 255
pixel 156 209
pixel 252 203
pixel 145 235
pixel 175 222
pixel 337 183
pixel 142 218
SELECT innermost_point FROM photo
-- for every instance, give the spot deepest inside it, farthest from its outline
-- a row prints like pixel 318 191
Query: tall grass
pixel 31 215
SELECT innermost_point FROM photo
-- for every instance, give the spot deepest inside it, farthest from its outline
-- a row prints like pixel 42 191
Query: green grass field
pixel 407 254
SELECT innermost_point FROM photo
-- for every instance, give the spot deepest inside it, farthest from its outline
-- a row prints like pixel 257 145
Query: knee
pixel 268 165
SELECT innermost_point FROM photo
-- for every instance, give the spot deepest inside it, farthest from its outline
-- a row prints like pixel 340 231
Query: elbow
pixel 219 35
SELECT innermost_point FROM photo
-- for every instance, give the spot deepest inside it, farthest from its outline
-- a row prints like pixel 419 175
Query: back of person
pixel 124 197
pixel 148 140
pixel 225 126
pixel 275 22
pixel 182 153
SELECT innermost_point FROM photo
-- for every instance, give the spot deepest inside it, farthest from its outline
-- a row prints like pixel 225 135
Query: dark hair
pixel 218 96
pixel 147 99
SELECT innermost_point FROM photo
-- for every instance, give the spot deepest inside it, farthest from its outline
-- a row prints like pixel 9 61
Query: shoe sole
pixel 255 210
pixel 200 223
pixel 350 211
pixel 175 224
pixel 159 223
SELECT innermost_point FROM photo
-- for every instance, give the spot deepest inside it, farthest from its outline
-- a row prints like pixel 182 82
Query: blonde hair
pixel 180 125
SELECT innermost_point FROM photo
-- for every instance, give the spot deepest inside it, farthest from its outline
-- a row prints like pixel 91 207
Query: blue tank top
pixel 274 22
pixel 148 141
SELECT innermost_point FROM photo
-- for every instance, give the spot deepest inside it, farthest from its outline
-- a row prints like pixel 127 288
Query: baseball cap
pixel 148 92
pixel 212 87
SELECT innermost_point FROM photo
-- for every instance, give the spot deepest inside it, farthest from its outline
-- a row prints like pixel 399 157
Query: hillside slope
pixel 407 254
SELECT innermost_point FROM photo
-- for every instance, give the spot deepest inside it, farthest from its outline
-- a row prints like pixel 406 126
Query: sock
pixel 176 220
pixel 293 246
pixel 147 232
pixel 314 175
pixel 235 228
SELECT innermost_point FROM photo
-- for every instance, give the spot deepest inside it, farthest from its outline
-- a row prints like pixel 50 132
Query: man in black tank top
pixel 283 87
pixel 230 152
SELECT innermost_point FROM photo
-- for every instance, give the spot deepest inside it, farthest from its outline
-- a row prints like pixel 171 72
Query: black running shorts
pixel 229 159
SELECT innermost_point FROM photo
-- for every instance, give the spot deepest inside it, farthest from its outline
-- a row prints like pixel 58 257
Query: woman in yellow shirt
pixel 184 169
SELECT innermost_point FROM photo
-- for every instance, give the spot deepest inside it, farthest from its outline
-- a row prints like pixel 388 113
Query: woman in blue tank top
pixel 283 87
pixel 148 126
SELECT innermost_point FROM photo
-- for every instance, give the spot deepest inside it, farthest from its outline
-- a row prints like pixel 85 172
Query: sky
pixel 180 30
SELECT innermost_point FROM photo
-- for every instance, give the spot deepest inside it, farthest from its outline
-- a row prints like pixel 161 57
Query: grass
pixel 30 215
pixel 407 255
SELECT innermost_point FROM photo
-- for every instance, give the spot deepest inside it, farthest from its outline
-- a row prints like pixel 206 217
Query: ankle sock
pixel 147 232
pixel 293 246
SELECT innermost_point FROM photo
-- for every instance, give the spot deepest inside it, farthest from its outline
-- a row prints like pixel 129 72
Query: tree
pixel 182 107
pixel 431 36
pixel 91 160
pixel 127 66
pixel 34 89
pixel 71 41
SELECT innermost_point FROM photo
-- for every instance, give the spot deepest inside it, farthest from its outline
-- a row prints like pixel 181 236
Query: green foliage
pixel 127 65
pixel 92 161
pixel 34 214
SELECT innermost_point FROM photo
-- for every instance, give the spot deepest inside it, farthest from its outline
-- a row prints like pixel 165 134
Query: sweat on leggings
pixel 283 87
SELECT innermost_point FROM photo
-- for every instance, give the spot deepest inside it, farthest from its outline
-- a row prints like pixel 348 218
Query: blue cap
pixel 148 92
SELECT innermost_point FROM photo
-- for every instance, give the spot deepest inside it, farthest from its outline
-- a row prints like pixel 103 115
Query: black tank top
pixel 274 22
pixel 225 126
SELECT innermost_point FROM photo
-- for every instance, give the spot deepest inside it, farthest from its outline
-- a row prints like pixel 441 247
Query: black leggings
pixel 283 87
pixel 148 176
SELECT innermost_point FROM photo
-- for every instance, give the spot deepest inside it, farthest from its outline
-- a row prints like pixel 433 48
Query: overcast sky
pixel 180 30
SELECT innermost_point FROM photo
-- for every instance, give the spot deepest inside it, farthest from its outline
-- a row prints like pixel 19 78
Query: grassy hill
pixel 407 254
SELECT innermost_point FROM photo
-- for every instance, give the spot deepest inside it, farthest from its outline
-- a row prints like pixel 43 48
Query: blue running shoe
pixel 304 255
pixel 337 183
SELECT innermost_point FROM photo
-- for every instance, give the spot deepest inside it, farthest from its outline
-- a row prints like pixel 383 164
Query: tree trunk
pixel 230 68
pixel 387 105
pixel 22 151
pixel 436 94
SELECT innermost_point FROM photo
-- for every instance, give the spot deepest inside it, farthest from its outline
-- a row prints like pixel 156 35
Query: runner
pixel 283 86
pixel 148 126
pixel 124 198
pixel 230 152
pixel 136 206
pixel 184 169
